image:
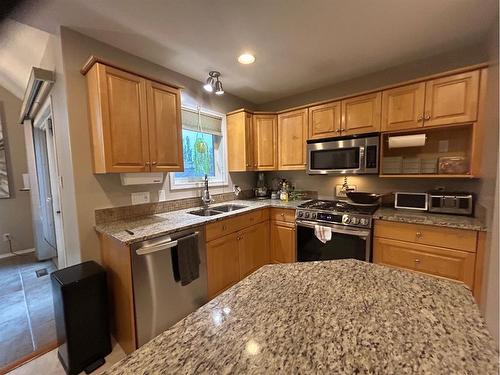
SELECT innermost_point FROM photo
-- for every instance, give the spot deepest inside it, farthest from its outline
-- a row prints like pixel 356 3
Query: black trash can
pixel 81 315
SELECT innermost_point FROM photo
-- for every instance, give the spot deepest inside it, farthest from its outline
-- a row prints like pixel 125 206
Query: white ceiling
pixel 21 48
pixel 299 44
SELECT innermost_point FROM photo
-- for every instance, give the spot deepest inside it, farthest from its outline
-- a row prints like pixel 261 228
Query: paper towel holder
pixel 407 136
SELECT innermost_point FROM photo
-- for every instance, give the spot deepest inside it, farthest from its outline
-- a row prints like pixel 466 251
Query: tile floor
pixel 49 363
pixel 26 309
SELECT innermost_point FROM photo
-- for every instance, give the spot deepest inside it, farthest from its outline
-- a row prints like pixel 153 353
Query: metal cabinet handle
pixel 337 131
pixel 418 234
pixel 224 227
pixel 417 261
pixel 427 116
pixel 342 130
pixel 154 163
pixel 420 117
pixel 282 214
pixel 147 163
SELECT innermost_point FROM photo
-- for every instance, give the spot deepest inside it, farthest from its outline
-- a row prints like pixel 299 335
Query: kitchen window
pixel 203 149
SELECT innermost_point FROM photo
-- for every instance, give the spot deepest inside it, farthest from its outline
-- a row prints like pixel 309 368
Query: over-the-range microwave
pixel 347 155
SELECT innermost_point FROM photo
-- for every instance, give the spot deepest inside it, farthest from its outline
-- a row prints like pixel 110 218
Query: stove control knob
pixel 363 221
pixel 346 219
pixel 306 215
pixel 355 220
pixel 313 216
pixel 300 213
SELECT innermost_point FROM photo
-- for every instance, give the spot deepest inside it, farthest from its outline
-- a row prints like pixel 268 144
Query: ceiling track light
pixel 213 83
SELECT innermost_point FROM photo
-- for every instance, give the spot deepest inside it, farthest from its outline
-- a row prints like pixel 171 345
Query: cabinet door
pixel 253 248
pixel 124 120
pixel 265 137
pixel 292 135
pixel 437 261
pixel 324 121
pixel 283 248
pixel 239 142
pixel 165 128
pixel 361 114
pixel 222 264
pixel 452 99
pixel 403 107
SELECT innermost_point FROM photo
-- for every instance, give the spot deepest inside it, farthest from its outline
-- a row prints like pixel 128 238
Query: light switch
pixel 162 196
pixel 140 198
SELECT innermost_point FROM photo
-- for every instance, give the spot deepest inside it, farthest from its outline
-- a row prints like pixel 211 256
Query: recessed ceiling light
pixel 246 58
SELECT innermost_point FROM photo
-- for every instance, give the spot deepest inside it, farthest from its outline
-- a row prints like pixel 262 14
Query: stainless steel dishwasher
pixel 160 301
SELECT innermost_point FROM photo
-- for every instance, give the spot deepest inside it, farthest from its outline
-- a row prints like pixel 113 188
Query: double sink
pixel 217 210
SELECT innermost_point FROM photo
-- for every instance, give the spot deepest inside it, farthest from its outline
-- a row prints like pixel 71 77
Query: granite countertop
pixel 144 228
pixel 331 317
pixel 428 218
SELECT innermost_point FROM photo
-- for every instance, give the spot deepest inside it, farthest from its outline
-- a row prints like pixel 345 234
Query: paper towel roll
pixel 414 140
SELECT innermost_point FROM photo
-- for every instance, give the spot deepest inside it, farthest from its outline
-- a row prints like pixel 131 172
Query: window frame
pixel 217 181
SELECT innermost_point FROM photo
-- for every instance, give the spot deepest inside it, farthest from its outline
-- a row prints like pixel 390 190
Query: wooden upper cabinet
pixel 118 115
pixel 239 141
pixel 292 135
pixel 403 107
pixel 265 138
pixel 135 122
pixel 361 114
pixel 324 121
pixel 452 99
pixel 165 128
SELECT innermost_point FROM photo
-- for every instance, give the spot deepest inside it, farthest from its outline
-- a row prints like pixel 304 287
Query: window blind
pixel 209 124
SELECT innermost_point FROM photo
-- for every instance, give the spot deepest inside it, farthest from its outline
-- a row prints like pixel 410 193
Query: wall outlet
pixel 140 198
pixel 339 193
pixel 162 196
pixel 6 237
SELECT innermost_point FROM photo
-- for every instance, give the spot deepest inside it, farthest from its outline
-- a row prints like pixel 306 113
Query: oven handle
pixel 364 234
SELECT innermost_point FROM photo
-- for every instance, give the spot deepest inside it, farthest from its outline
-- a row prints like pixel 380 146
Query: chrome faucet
pixel 205 196
pixel 237 191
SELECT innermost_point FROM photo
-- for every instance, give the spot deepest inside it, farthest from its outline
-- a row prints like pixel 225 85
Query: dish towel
pixel 188 259
pixel 324 234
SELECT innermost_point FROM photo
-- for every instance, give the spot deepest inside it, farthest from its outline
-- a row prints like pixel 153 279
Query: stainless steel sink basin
pixel 217 210
pixel 204 212
pixel 229 207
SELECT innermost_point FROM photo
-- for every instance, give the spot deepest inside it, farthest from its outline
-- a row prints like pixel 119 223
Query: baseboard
pixel 8 255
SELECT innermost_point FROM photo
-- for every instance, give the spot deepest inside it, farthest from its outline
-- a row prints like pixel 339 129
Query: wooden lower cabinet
pixel 455 254
pixel 437 261
pixel 283 248
pixel 222 263
pixel 253 248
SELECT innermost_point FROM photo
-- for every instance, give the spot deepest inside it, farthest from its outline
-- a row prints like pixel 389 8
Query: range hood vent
pixel 39 85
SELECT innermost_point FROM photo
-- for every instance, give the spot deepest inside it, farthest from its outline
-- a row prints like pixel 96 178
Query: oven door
pixel 346 243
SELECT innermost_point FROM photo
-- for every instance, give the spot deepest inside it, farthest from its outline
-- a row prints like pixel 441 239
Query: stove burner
pixel 339 206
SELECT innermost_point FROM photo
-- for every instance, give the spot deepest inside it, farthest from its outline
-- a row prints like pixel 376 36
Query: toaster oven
pixel 458 203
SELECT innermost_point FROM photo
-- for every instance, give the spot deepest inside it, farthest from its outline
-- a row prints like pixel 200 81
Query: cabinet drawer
pixel 283 214
pixel 451 238
pixel 234 224
pixel 450 264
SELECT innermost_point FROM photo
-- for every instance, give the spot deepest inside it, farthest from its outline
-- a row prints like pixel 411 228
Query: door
pixel 165 128
pixel 438 261
pixel 45 192
pixel 361 114
pixel 253 248
pixel 452 99
pixel 265 142
pixel 292 135
pixel 403 107
pixel 222 264
pixel 324 121
pixel 239 142
pixel 124 119
pixel 282 242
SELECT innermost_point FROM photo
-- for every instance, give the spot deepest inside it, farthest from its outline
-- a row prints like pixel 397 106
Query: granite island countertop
pixel 143 228
pixel 331 317
pixel 429 218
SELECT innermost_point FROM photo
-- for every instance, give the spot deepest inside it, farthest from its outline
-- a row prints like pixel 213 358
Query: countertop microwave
pixel 349 155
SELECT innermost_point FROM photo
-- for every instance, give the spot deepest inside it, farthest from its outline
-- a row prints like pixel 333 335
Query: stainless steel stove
pixel 337 212
pixel 350 226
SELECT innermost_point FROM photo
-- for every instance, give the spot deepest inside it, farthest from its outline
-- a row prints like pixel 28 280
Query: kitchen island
pixel 339 317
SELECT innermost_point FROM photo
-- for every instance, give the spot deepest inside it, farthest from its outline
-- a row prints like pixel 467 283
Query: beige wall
pixel 439 63
pixel 488 190
pixel 15 212
pixel 99 191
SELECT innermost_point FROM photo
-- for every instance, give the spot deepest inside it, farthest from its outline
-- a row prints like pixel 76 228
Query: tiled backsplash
pixel 107 215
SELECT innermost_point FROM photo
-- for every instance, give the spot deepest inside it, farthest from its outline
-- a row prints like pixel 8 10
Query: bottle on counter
pixel 284 192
